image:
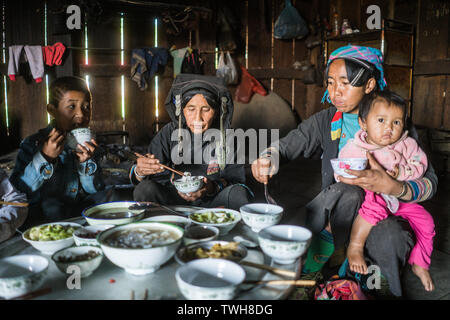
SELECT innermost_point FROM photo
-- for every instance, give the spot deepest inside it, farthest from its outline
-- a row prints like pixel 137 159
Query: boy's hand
pixel 54 145
pixel 86 152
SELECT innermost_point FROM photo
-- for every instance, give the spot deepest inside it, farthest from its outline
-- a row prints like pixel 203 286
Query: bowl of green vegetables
pixel 51 237
pixel 221 218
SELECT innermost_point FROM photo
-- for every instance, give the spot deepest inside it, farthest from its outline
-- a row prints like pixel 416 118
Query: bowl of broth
pixel 115 213
pixel 141 247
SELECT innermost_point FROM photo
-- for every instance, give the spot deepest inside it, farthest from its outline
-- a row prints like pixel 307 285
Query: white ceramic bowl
pixel 115 213
pixel 195 233
pixel 140 261
pixel 180 221
pixel 87 266
pixel 79 136
pixel 339 165
pixel 83 241
pixel 225 227
pixel 50 247
pixel 284 243
pixel 209 279
pixel 261 215
pixel 189 184
pixel 21 274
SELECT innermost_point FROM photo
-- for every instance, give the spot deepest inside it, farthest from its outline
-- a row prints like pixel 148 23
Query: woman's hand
pixel 375 179
pixel 148 165
pixel 86 151
pixel 54 145
pixel 263 170
pixel 209 187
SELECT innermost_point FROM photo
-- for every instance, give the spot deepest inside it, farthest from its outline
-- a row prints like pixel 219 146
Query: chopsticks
pixel 145 295
pixel 306 283
pixel 16 204
pixel 277 271
pixel 33 294
pixel 162 165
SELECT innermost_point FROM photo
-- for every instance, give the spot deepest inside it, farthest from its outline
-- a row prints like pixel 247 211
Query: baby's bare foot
pixel 355 255
pixel 424 276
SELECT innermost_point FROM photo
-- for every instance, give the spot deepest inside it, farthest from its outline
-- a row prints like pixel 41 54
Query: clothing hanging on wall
pixel 178 57
pixel 33 55
pixel 53 54
pixel 145 62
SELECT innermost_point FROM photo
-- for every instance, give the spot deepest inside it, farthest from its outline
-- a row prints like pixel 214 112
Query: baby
pixel 382 117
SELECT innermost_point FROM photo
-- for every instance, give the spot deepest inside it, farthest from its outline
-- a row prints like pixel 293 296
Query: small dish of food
pixel 87 258
pixel 51 237
pixel 87 236
pixel 195 233
pixel 223 219
pixel 211 249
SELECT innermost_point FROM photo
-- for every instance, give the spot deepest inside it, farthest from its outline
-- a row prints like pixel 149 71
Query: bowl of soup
pixel 116 213
pixel 141 247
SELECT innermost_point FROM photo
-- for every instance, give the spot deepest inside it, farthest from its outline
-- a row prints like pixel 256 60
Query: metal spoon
pixel 269 199
pixel 245 242
pixel 148 205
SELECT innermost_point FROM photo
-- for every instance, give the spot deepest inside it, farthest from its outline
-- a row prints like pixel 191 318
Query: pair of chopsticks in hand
pixel 16 204
pixel 164 166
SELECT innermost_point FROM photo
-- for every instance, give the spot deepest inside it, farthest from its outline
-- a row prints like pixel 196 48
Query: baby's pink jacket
pixel 411 160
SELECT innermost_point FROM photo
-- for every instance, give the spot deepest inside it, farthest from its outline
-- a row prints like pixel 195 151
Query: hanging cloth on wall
pixel 178 57
pixel 33 54
pixel 192 63
pixel 145 63
pixel 53 54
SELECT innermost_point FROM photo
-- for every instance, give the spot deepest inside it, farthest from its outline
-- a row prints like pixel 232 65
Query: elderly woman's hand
pixel 148 165
pixel 263 169
pixel 209 187
pixel 375 179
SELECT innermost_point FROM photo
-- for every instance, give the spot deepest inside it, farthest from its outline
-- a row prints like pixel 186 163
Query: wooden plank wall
pixel 27 109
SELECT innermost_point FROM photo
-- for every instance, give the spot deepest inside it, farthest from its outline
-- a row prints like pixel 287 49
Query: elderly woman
pixel 351 73
pixel 198 106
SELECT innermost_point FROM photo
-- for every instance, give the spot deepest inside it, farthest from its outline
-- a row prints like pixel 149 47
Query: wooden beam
pixel 307 76
pixel 432 67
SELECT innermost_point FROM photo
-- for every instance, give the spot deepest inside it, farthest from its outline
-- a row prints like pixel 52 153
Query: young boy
pixel 56 178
